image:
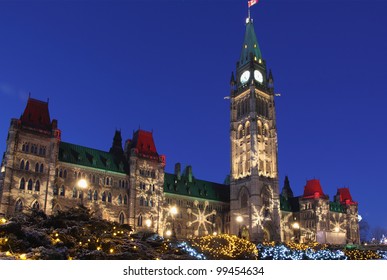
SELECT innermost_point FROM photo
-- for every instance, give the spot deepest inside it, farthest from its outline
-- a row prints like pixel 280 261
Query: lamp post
pixel 239 220
pixel 82 184
pixel 173 212
pixel 296 227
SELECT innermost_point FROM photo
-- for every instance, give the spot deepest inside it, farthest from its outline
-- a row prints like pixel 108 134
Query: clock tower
pixel 254 195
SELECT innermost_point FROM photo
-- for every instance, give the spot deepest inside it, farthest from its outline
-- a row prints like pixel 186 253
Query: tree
pixel 378 232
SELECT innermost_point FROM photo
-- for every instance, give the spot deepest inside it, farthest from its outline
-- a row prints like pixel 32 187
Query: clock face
pixel 245 77
pixel 258 76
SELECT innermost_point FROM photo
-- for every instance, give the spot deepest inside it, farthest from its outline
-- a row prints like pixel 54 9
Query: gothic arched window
pixel 240 132
pixel 35 205
pixel 22 164
pixel 27 166
pixel 244 200
pixel 95 195
pixel 37 186
pixel 55 190
pixel 75 193
pixel 121 218
pixel 22 185
pixel 247 128
pixel 119 199
pixel 37 167
pixel 125 199
pixel 139 221
pixel 19 206
pixel 109 197
pixel 29 186
pixel 62 191
pixel 103 196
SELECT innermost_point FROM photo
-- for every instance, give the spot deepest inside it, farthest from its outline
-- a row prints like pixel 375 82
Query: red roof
pixel 36 115
pixel 345 196
pixel 144 144
pixel 313 189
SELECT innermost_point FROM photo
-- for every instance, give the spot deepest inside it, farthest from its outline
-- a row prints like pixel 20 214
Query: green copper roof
pixel 89 157
pixel 250 44
pixel 196 188
pixel 336 207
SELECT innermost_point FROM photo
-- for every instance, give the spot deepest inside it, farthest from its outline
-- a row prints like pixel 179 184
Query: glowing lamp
pixel 173 210
pixel 296 225
pixel 82 184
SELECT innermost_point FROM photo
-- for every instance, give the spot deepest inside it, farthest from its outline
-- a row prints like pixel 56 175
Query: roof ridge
pixel 86 147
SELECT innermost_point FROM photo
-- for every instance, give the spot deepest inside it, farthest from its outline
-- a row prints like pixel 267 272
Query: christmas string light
pixel 191 251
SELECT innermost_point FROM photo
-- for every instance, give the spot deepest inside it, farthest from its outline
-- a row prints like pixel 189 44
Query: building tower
pixel 29 161
pixel 254 193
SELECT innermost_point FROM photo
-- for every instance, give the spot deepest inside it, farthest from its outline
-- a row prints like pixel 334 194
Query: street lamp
pixel 239 220
pixel 296 227
pixel 173 212
pixel 148 223
pixel 82 184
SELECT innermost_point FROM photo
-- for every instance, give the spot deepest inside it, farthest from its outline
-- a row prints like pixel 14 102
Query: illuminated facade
pixel 128 183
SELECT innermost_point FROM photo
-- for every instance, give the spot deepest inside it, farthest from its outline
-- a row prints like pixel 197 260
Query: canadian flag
pixel 252 2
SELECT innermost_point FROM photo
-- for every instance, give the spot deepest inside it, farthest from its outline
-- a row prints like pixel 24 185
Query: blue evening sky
pixel 165 66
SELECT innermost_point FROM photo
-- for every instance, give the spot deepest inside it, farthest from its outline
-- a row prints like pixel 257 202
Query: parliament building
pixel 128 184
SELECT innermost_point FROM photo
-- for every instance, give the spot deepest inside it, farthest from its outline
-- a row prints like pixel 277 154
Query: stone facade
pixel 128 183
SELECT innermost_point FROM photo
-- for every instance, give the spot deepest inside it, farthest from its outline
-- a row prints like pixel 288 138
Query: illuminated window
pixel 245 46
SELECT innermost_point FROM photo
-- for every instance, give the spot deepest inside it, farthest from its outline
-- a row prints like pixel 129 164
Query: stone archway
pixel 268 231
